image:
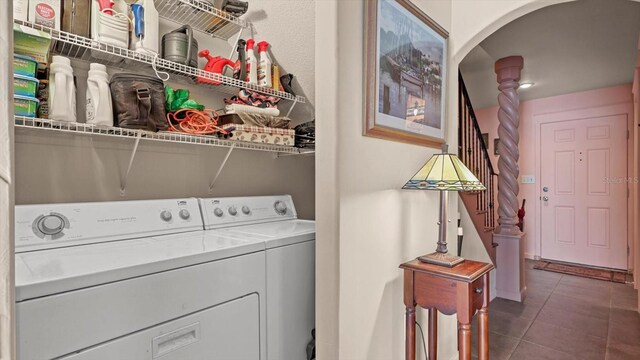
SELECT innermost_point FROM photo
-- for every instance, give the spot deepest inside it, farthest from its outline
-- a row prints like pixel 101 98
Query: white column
pixel 510 279
pixel 508 71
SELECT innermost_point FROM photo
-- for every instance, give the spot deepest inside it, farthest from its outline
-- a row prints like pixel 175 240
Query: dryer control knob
pixel 281 207
pixel 218 212
pixel 166 215
pixel 246 210
pixel 51 224
pixel 184 214
pixel 233 211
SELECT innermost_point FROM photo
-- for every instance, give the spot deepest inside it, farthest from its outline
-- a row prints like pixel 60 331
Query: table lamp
pixel 444 172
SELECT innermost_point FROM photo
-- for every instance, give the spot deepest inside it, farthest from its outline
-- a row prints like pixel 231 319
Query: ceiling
pixel 571 47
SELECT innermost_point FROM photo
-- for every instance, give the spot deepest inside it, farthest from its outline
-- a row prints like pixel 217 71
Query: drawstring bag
pixel 138 102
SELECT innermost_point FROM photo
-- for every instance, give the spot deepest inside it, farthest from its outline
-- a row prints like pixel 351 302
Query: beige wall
pixel 367 226
pixel 64 168
pixel 7 321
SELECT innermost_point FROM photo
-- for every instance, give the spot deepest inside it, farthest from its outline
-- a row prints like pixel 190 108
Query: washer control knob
pixel 218 212
pixel 51 225
pixel 246 210
pixel 281 207
pixel 184 214
pixel 233 211
pixel 166 215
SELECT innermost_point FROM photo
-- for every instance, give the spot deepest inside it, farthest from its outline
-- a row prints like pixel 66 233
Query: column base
pixel 510 267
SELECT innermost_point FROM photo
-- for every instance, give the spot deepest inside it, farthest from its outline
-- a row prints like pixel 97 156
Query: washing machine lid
pixel 48 272
pixel 278 233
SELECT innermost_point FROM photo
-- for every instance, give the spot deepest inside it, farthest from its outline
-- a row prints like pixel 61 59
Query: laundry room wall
pixel 72 168
pixel 7 283
pixel 366 225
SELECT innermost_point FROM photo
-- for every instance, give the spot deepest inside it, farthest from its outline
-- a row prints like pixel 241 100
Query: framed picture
pixel 405 72
pixel 496 142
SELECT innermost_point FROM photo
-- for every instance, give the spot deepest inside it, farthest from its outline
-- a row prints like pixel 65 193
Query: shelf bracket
pixel 224 162
pixel 123 180
pixel 235 44
pixel 293 104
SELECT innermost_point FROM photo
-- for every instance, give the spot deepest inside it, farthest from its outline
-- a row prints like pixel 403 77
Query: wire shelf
pixel 78 47
pixel 165 136
pixel 201 16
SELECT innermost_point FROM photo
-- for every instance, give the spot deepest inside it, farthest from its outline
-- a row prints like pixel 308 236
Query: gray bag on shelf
pixel 138 102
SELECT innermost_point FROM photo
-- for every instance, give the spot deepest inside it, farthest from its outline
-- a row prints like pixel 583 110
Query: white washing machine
pixel 290 264
pixel 136 280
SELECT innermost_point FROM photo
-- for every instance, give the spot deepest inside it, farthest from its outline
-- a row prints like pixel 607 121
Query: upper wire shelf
pixel 79 47
pixel 202 16
pixel 166 136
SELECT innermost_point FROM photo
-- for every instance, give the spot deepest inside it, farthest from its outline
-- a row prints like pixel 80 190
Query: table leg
pixel 483 334
pixel 433 334
pixel 410 345
pixel 464 341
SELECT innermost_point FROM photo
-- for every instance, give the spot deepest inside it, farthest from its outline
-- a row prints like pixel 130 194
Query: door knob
pixel 545 198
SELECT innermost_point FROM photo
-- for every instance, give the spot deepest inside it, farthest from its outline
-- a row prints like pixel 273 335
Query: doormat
pixel 584 271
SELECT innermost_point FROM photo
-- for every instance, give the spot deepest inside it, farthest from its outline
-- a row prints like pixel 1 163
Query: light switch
pixel 528 179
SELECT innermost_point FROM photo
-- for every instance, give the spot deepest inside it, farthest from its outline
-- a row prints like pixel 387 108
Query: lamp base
pixel 441 259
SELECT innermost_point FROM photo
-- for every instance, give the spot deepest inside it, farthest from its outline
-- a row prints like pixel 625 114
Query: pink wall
pixel 488 121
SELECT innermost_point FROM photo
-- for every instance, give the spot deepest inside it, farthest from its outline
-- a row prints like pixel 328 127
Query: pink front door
pixel 583 187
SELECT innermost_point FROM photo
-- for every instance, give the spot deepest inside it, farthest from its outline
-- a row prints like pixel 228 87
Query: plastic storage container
pixel 25 105
pixel 25 85
pixel 24 65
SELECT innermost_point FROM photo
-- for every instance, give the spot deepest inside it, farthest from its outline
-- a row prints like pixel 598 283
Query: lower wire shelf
pixel 166 136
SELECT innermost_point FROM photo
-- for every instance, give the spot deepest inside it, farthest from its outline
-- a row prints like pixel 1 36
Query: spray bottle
pixel 146 27
pixel 252 71
pixel 264 68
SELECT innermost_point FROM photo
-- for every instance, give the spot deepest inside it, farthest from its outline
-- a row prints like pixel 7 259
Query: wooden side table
pixel 460 290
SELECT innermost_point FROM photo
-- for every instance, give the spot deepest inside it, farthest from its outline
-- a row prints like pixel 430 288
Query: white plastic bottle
pixel 145 41
pixel 264 68
pixel 99 108
pixel 252 63
pixel 62 90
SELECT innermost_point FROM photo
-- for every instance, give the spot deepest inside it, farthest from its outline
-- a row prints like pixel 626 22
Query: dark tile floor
pixel 565 317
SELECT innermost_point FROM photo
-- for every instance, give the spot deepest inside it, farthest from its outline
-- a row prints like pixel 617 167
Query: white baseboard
pixel 530 256
pixel 513 296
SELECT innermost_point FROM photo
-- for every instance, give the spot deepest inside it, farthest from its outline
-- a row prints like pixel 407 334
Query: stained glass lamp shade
pixel 444 172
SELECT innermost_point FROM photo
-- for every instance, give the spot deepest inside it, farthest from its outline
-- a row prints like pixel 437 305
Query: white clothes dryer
pixel 135 280
pixel 290 264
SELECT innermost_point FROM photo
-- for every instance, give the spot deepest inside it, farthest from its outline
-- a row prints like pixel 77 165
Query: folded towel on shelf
pixel 239 108
pixel 261 134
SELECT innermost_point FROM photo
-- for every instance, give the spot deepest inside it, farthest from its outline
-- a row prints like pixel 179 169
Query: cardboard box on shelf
pixel 31 42
pixel 20 9
pixel 45 13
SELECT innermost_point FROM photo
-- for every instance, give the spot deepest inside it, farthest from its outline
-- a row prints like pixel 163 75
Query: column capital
pixel 509 68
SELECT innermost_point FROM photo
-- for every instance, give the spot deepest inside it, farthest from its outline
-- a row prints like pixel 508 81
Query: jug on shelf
pixel 180 46
pixel 62 90
pixel 110 24
pixel 99 108
pixel 144 37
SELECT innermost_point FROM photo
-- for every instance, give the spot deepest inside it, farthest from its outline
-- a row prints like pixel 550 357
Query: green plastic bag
pixel 179 99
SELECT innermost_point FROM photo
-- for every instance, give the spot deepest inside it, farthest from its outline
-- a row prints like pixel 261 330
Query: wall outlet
pixel 528 179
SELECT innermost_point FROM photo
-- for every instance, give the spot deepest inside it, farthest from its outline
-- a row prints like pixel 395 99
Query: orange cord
pixel 196 122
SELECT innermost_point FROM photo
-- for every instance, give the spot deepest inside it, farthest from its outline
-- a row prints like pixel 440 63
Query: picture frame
pixel 405 74
pixel 496 143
